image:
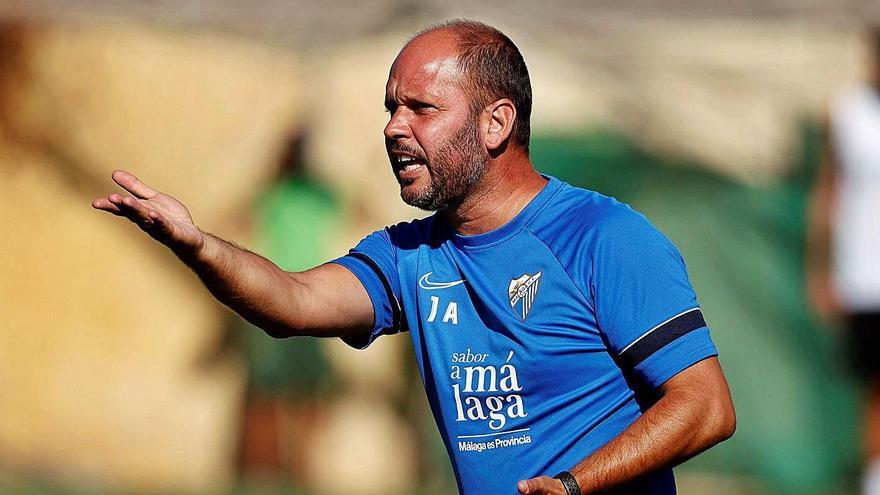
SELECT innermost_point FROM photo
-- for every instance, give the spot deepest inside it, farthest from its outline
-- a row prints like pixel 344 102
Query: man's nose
pixel 397 127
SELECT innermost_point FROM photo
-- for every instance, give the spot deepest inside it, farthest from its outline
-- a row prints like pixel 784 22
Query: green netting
pixel 744 248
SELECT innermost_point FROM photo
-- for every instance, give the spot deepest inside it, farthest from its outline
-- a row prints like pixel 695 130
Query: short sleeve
pixel 645 306
pixel 373 262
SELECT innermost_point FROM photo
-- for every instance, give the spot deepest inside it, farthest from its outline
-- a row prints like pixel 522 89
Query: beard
pixel 458 165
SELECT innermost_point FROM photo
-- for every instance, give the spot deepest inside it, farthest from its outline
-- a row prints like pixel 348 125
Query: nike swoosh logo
pixel 429 285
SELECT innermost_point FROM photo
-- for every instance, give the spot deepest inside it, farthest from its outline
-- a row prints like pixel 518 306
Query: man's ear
pixel 500 118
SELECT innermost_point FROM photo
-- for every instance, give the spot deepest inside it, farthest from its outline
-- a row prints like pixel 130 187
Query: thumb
pixel 542 485
pixel 536 486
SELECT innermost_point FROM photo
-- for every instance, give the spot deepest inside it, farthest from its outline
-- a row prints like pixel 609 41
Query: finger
pixel 131 204
pixel 133 185
pixel 106 205
pixel 529 487
pixel 117 201
pixel 150 221
pixel 537 486
pixel 131 208
pixel 157 226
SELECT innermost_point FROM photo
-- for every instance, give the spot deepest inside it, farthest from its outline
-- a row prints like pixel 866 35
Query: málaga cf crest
pixel 522 292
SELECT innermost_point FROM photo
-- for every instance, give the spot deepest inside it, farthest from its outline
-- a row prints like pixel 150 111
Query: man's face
pixel 433 137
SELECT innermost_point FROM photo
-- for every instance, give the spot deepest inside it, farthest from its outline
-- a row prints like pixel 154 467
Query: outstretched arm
pixel 326 301
pixel 694 413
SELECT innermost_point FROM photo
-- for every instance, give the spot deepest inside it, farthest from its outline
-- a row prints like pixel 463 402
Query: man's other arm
pixel 820 208
pixel 694 413
pixel 326 301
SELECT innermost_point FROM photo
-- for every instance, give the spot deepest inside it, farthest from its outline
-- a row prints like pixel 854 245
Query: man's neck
pixel 504 191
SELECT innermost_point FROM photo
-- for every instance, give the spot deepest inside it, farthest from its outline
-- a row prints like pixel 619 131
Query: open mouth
pixel 407 166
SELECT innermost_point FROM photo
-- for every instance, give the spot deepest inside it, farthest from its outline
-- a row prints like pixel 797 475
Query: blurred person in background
pixel 555 328
pixel 843 272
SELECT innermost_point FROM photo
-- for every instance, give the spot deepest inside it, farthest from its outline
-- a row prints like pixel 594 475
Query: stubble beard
pixel 459 165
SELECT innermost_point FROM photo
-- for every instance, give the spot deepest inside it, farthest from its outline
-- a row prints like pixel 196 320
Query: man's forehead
pixel 429 57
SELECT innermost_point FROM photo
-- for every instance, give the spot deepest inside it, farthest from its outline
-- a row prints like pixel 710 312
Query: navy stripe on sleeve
pixel 395 305
pixel 661 335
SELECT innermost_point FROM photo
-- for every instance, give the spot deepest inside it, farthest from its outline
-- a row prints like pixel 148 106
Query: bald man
pixel 559 340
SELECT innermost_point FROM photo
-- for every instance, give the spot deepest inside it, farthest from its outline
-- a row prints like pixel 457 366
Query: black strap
pixel 568 481
pixel 659 337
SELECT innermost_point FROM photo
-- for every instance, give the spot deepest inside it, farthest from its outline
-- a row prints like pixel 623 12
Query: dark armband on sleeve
pixel 661 335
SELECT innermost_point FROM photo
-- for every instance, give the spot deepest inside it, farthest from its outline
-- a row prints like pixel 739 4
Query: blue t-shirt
pixel 540 341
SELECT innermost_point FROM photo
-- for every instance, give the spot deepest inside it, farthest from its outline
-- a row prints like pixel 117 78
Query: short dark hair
pixel 493 68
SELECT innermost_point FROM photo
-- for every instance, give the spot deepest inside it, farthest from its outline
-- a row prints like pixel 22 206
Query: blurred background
pixel 120 374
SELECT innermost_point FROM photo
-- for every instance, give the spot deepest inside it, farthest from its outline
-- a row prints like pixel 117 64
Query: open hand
pixel 542 485
pixel 161 216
